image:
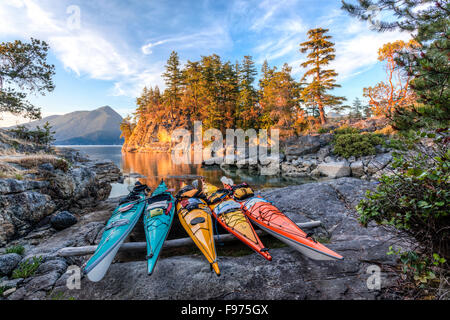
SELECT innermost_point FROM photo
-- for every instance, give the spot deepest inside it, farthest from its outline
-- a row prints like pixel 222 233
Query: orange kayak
pixel 229 214
pixel 270 219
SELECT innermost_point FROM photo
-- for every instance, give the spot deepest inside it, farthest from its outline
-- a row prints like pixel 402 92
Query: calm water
pixel 157 166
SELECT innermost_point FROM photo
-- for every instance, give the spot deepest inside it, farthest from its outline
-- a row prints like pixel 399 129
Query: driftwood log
pixel 142 246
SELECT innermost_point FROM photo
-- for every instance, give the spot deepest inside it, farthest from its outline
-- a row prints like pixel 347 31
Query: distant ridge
pixel 96 127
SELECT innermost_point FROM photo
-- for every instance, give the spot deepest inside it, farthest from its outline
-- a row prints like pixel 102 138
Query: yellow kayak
pixel 229 214
pixel 195 217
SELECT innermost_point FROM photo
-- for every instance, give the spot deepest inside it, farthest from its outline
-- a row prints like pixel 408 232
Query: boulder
pixel 21 211
pixel 304 145
pixel 335 169
pixel 46 167
pixel 270 166
pixel 13 283
pixel 8 262
pixel 378 163
pixel 357 169
pixel 291 170
pixel 62 220
pixel 323 153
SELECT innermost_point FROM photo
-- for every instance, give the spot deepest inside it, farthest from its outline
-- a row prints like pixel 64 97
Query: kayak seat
pixel 159 197
pixel 227 206
pixel 134 195
pixel 248 204
pixel 189 192
pixel 197 220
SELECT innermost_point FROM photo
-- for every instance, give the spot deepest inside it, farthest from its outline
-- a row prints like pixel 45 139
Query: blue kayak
pixel 118 227
pixel 158 218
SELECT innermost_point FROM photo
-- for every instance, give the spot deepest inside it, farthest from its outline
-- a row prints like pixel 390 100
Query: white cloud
pixel 95 52
pixel 358 52
pixel 83 51
pixel 147 48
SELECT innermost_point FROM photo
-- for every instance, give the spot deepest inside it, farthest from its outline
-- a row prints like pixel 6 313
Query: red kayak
pixel 266 216
pixel 229 214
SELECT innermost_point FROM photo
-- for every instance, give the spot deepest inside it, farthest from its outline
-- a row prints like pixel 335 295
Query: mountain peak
pixel 99 126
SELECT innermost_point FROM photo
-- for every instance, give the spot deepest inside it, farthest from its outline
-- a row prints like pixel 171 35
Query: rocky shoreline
pixel 289 276
pixel 31 202
pixel 311 156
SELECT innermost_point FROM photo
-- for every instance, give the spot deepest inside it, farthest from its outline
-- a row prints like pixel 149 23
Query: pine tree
pixel 174 81
pixel 279 100
pixel 23 67
pixel 321 53
pixel 427 64
pixel 357 109
pixel 127 126
pixel 247 113
pixel 212 84
pixel 192 75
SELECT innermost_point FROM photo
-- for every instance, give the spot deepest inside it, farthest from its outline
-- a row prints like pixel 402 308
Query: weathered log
pixel 175 243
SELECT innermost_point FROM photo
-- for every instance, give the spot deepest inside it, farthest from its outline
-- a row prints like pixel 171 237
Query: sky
pixel 106 51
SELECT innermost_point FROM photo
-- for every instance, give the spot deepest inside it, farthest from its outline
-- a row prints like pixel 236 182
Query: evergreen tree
pixel 248 112
pixel 279 100
pixel 212 90
pixel 173 78
pixel 127 127
pixel 192 75
pixel 427 64
pixel 320 54
pixel 23 67
pixel 357 109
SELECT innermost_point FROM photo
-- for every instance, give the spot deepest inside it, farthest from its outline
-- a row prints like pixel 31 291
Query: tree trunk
pixel 323 120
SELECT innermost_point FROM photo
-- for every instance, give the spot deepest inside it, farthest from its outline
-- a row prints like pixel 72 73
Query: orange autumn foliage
pixel 395 92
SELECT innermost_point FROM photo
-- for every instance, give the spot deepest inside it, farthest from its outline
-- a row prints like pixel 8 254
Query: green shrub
pixel 421 268
pixel 16 249
pixel 323 130
pixel 27 268
pixel 42 135
pixel 356 144
pixel 415 198
pixel 62 164
pixel 346 130
pixel 18 176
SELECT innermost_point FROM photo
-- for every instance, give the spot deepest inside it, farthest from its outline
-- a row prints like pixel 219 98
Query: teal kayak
pixel 158 218
pixel 118 227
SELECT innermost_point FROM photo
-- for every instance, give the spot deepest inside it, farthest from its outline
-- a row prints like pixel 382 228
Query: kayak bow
pixel 195 217
pixel 270 219
pixel 118 227
pixel 229 214
pixel 158 218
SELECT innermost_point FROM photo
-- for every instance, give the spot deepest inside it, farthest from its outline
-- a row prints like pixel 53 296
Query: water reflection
pixel 150 168
pixel 157 166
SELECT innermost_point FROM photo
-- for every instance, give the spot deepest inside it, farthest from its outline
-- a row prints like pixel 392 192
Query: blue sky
pixel 119 46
